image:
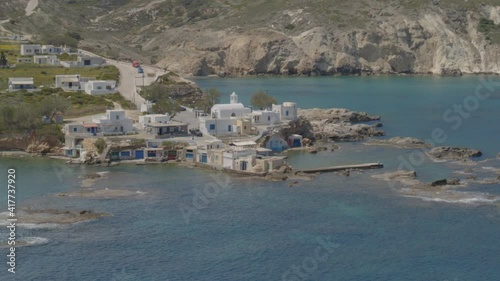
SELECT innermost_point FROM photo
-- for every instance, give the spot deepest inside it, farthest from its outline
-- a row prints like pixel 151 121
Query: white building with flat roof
pixel 30 49
pixel 287 111
pixel 46 59
pixel 153 118
pixel 115 122
pixel 21 83
pixel 99 87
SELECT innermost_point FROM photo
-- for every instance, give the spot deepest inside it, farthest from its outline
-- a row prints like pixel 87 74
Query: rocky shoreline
pixel 336 124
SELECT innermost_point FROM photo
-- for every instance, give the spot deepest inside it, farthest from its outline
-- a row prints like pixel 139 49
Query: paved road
pixel 130 79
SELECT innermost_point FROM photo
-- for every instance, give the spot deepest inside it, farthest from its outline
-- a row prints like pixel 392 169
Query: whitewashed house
pixel 265 117
pixel 227 119
pixel 30 49
pixel 153 118
pixel 100 87
pixel 115 123
pixel 24 60
pixel 233 109
pixel 72 82
pixel 84 61
pixel 46 59
pixel 68 82
pixel 21 83
pixel 287 111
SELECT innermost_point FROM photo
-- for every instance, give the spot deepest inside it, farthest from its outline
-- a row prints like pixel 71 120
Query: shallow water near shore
pixel 251 229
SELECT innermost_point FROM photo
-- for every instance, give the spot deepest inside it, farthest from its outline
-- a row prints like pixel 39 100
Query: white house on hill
pixel 21 83
pixel 99 87
pixel 115 122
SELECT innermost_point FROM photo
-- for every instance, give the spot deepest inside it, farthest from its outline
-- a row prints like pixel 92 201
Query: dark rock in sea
pixel 439 182
pixel 378 125
pixel 92 176
pixel 454 153
pixel 453 182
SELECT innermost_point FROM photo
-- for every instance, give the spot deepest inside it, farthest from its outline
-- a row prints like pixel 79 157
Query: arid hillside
pixel 240 37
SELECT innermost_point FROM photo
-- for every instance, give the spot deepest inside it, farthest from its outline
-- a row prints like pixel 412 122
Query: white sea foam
pixel 493 169
pixel 39 225
pixel 478 199
pixel 35 240
pixel 103 173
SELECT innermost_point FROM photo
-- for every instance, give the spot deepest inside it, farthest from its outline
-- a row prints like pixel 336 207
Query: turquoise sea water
pixel 249 229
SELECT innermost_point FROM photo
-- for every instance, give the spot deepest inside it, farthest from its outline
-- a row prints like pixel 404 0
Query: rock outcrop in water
pixel 338 124
pixel 454 153
pixel 400 142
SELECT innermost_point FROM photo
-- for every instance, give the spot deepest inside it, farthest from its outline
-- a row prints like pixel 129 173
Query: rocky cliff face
pixel 235 37
pixel 427 45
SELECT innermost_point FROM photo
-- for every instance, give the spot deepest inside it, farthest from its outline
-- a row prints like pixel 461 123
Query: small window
pixel 229 128
pixel 286 113
pixel 75 129
pixel 117 117
pixel 216 157
pixel 233 115
pixel 268 118
pixel 212 126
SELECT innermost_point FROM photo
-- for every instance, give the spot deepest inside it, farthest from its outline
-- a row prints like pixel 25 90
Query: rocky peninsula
pixel 336 124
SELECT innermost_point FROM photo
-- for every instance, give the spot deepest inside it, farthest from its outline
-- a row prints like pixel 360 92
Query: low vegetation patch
pixel 125 104
pixel 490 30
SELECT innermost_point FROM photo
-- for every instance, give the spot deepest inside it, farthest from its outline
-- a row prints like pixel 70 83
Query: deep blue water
pixel 409 106
pixel 251 229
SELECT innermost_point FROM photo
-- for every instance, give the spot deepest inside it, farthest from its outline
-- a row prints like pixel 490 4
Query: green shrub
pixel 290 26
pixel 100 144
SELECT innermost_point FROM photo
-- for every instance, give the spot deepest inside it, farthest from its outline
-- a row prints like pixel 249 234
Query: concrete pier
pixel 344 167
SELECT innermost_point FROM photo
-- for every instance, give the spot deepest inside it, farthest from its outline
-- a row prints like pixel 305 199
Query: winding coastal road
pixel 130 79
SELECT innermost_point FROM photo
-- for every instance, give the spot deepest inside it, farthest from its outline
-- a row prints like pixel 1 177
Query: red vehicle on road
pixel 135 64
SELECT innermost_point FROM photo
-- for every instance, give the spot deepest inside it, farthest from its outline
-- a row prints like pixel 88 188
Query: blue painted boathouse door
pixel 139 154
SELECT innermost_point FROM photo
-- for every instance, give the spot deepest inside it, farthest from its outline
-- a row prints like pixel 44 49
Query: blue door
pixel 189 155
pixel 296 143
pixel 139 154
pixel 244 165
pixel 204 158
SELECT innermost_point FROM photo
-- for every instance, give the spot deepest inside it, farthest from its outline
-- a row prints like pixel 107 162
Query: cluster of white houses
pixel 68 83
pixel 235 119
pixel 231 119
pixel 48 55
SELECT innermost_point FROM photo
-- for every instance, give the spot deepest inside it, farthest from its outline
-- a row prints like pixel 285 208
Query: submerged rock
pixel 454 153
pixel 439 183
pixel 55 216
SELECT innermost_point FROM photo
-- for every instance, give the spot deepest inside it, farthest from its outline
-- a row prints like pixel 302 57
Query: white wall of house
pixel 24 60
pixel 153 118
pixel 265 117
pixel 287 110
pixel 68 82
pixel 21 83
pixel 49 60
pixel 27 50
pixel 218 127
pixel 115 122
pixel 100 87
